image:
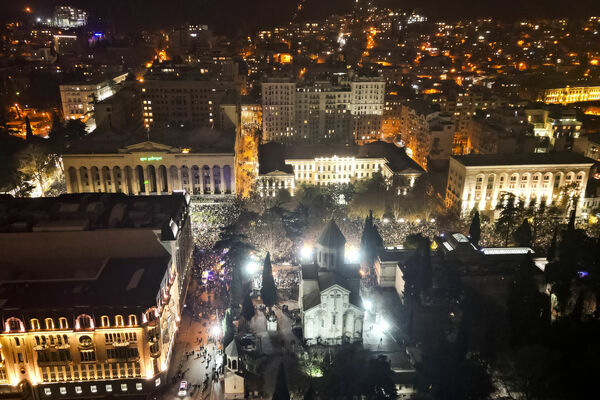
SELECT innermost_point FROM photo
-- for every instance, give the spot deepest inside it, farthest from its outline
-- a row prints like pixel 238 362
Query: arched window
pixel 150 315
pixel 84 321
pixel 119 320
pixel 49 323
pixel 35 324
pixel 132 320
pixel 14 325
pixel 62 322
pixel 104 321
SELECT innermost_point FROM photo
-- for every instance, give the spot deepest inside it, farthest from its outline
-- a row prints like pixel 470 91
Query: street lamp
pixel 215 330
pixel 251 267
pixel 368 304
pixel 306 252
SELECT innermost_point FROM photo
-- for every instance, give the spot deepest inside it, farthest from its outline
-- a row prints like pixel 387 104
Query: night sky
pixel 237 16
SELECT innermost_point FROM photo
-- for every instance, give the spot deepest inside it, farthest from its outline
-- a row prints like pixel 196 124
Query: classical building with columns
pixel 283 166
pixel 199 162
pixel 478 180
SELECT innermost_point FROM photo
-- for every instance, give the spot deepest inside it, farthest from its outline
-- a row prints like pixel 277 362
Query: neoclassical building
pixel 152 167
pixel 331 308
pixel 478 180
pixel 96 313
pixel 289 166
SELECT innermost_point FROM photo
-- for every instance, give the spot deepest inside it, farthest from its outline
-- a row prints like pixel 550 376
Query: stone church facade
pixel 331 308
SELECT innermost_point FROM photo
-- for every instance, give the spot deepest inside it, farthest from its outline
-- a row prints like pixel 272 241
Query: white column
pixel 169 179
pixel 212 182
pixel 102 181
pixel 159 179
pixel 180 176
pixel 79 181
pixel 124 179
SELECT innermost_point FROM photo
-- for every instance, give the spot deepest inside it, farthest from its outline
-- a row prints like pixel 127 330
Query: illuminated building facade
pixel 78 98
pixel 568 95
pixel 344 111
pixel 96 314
pixel 146 167
pixel 477 181
pixel 286 167
pixel 69 17
pixel 331 308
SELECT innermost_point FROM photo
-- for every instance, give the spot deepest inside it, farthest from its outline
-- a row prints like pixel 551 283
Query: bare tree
pixel 36 161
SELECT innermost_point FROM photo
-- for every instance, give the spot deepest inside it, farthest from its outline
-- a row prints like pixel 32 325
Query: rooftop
pixel 272 156
pixel 561 157
pixel 94 251
pixel 200 140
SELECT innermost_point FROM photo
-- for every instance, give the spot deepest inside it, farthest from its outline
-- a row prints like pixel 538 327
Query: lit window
pixel 47 391
pixel 78 389
pixel 123 387
pixel 157 382
pixel 109 388
pixel 93 388
pixel 138 386
pixel 132 320
pixel 63 390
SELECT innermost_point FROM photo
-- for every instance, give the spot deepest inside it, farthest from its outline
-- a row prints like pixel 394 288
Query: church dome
pixel 332 237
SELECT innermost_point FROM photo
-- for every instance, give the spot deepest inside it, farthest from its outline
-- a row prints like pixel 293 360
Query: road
pixel 195 367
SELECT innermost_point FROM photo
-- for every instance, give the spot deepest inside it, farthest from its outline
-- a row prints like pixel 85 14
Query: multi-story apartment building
pixel 121 112
pixel 462 107
pixel 278 110
pixel 478 180
pixel 69 17
pixel 347 110
pixel 184 96
pixel 556 127
pixel 78 98
pixel 200 162
pixel 95 314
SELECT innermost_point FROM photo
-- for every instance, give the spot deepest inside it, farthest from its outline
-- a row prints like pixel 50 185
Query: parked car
pixel 183 388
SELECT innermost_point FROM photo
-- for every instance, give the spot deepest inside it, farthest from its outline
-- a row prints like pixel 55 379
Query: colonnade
pixel 151 179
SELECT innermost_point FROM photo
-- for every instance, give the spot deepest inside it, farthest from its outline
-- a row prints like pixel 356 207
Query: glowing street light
pixel 381 326
pixel 251 267
pixel 352 255
pixel 368 304
pixel 306 252
pixel 215 330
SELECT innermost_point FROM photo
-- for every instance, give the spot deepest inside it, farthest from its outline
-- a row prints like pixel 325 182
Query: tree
pixel 426 275
pixel 522 236
pixel 281 388
pixel 74 130
pixel 236 287
pixel 510 209
pixel 28 130
pixel 526 314
pixel 228 328
pixel 248 308
pixel 36 161
pixel 552 249
pixel 268 291
pixel 475 229
pixel 57 134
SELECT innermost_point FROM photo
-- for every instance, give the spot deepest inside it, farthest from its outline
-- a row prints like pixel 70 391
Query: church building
pixel 331 308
